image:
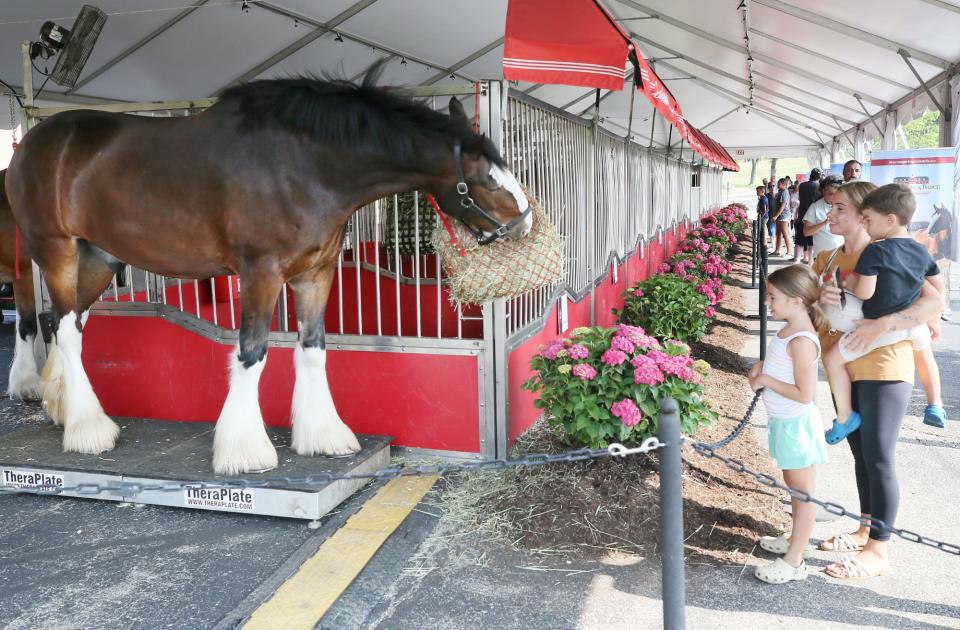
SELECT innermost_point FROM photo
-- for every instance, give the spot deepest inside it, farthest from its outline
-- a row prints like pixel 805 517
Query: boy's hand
pixel 935 331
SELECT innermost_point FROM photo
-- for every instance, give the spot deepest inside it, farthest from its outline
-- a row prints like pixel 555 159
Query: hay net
pixel 505 268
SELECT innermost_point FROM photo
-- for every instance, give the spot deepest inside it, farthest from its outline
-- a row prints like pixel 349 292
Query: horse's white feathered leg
pixel 240 442
pixel 24 382
pixel 86 428
pixel 317 427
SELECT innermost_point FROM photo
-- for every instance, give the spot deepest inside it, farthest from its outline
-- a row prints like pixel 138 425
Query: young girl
pixel 789 379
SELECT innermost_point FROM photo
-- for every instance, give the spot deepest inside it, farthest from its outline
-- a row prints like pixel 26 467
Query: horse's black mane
pixel 362 115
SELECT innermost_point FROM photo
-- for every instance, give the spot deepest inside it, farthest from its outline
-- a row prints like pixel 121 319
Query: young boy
pixel 763 212
pixel 888 278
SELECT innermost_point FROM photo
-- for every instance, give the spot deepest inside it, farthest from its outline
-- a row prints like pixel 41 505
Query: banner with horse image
pixel 930 175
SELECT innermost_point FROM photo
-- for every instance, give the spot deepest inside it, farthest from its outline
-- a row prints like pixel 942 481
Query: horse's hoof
pixel 26 388
pixel 332 439
pixel 236 452
pixel 91 435
pixel 237 461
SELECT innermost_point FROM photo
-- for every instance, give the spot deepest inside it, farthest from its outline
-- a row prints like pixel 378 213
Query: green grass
pixel 785 166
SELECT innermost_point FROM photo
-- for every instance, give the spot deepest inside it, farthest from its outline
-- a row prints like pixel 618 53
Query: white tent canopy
pixel 762 77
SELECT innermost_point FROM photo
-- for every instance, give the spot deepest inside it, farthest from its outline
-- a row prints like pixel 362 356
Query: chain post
pixel 753 254
pixel 671 516
pixel 762 307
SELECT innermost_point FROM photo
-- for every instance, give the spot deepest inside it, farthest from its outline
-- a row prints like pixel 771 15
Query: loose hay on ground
pixel 611 506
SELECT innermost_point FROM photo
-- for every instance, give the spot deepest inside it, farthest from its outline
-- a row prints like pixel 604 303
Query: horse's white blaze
pixel 240 441
pixel 24 382
pixel 507 180
pixel 86 428
pixel 317 427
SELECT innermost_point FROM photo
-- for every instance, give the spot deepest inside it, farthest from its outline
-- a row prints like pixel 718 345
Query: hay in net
pixel 505 268
pixel 409 229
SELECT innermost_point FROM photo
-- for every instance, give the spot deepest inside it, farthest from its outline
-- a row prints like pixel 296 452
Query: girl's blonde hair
pixel 856 191
pixel 799 281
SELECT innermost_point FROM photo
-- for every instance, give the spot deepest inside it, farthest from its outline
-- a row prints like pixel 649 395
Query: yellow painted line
pixel 312 590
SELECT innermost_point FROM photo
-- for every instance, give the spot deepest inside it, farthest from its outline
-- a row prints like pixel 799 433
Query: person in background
pixel 851 170
pixel 781 214
pixel 807 193
pixel 794 206
pixel 815 221
pixel 771 206
pixel 763 212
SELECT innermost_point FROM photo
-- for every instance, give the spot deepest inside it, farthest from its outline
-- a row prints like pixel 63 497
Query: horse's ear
pixel 456 108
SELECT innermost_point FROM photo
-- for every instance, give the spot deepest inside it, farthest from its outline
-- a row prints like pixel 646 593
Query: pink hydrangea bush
pixel 604 385
pixel 671 308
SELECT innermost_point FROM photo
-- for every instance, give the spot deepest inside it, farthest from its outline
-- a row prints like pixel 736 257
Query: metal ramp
pixel 152 451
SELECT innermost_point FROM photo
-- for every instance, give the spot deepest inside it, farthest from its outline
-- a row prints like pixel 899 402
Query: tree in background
pixel 922 132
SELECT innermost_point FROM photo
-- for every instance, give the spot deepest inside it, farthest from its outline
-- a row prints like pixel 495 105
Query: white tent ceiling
pixel 814 66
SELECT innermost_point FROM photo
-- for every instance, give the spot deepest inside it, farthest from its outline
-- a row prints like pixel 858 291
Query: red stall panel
pixel 147 367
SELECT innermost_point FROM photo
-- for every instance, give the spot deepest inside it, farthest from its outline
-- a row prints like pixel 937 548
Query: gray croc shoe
pixel 780 544
pixel 779 572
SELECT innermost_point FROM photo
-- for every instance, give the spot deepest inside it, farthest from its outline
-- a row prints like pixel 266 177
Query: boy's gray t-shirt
pixel 901 266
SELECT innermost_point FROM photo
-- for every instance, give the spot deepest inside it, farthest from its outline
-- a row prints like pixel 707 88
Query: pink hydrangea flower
pixel 710 312
pixel 584 371
pixel 613 357
pixel 622 344
pixel 550 352
pixel 648 374
pixel 664 268
pixel 627 411
pixel 675 366
pixel 578 351
pixel 638 293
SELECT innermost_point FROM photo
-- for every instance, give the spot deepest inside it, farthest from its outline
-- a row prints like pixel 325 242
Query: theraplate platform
pixel 151 451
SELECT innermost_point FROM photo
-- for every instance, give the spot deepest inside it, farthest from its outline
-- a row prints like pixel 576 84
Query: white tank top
pixel 779 365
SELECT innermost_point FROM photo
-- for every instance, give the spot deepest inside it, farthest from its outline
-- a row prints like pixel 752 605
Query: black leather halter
pixel 470 207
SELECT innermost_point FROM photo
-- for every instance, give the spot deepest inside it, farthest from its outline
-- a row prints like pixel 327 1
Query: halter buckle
pixel 462 188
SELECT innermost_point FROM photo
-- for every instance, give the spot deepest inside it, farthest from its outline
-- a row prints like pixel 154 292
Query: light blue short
pixel 796 443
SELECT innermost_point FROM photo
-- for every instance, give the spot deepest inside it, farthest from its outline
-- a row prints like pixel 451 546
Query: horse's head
pixel 942 219
pixel 483 194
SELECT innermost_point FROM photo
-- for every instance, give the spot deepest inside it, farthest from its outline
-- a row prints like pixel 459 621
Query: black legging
pixel 882 405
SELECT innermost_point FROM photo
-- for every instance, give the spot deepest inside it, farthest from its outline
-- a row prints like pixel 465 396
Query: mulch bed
pixel 592 509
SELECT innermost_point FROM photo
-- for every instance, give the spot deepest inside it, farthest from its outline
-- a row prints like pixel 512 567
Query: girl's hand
pixel 757 382
pixel 755 370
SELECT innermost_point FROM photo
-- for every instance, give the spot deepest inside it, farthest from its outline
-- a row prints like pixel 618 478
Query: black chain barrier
pixel 129 488
pixel 740 427
pixel 738 466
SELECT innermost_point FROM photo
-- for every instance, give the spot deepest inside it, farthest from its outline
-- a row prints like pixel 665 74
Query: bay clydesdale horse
pixel 24 380
pixel 262 185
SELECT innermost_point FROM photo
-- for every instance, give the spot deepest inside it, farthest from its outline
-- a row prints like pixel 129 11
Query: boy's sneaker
pixel 935 416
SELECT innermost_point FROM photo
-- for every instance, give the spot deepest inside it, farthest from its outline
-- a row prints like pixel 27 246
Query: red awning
pixel 576 42
pixel 567 42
